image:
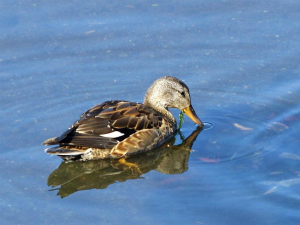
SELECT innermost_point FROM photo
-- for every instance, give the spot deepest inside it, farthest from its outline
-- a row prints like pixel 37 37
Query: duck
pixel 118 129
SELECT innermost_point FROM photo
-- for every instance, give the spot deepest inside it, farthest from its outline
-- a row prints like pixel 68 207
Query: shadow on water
pixel 77 176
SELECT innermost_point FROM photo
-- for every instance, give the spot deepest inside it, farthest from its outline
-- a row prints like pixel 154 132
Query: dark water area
pixel 240 60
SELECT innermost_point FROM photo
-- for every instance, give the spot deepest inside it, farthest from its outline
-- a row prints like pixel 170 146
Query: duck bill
pixel 190 112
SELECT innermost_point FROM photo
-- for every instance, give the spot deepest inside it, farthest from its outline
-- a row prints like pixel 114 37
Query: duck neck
pixel 161 109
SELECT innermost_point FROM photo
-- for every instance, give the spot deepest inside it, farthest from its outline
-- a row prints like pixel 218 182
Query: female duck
pixel 116 129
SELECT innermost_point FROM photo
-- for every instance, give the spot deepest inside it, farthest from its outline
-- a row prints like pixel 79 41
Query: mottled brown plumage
pixel 116 129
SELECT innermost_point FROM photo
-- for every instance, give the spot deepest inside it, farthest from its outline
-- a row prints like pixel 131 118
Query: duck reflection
pixel 99 174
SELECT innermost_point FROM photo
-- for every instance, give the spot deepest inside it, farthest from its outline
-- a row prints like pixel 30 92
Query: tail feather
pixel 63 152
pixel 51 141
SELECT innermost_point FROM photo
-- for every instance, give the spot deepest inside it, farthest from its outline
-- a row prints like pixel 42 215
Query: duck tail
pixel 65 154
pixel 51 141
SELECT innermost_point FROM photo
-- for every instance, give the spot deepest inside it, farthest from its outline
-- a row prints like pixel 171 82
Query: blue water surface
pixel 240 60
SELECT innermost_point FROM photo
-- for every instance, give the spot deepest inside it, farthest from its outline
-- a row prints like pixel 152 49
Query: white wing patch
pixel 114 134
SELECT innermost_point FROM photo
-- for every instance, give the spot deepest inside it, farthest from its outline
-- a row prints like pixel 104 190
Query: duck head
pixel 169 92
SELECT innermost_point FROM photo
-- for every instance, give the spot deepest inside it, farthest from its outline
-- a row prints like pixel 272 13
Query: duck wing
pixel 105 125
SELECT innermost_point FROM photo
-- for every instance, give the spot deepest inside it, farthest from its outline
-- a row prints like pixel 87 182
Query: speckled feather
pixel 126 117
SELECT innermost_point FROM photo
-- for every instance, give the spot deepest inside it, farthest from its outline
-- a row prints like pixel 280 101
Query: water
pixel 241 63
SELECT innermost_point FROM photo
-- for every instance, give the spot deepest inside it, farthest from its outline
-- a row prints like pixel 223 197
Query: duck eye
pixel 182 93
